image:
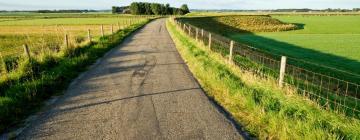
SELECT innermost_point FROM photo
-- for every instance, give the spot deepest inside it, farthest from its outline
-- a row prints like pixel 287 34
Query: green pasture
pixel 327 40
pixel 330 41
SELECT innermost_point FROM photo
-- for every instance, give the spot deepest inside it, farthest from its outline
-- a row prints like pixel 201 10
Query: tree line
pixel 122 10
pixel 144 8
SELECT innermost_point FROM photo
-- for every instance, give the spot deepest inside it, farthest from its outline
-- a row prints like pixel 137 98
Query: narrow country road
pixel 141 90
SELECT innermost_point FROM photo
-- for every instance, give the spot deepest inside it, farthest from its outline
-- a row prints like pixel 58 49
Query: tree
pixel 148 10
pixel 144 8
pixel 114 9
pixel 135 8
pixel 168 9
pixel 156 8
pixel 184 8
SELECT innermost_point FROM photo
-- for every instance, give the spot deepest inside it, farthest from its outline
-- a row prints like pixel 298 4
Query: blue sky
pixel 193 4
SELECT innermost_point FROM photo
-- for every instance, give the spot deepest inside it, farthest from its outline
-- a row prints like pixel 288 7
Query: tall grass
pixel 23 89
pixel 264 110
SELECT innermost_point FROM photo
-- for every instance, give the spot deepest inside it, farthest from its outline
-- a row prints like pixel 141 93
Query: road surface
pixel 139 90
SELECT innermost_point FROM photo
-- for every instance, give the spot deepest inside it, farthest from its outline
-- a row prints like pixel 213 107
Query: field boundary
pixel 328 92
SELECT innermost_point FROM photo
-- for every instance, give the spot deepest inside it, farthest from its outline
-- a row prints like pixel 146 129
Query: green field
pixel 330 41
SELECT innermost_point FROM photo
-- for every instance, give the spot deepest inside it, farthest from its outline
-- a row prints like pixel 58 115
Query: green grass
pixel 331 41
pixel 258 104
pixel 328 40
pixel 47 73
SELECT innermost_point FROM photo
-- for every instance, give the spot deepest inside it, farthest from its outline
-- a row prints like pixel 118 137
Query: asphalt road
pixel 142 89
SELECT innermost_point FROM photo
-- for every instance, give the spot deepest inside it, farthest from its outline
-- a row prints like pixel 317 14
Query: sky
pixel 193 4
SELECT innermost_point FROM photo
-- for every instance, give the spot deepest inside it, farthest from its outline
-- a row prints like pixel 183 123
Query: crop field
pixel 329 41
pixel 49 30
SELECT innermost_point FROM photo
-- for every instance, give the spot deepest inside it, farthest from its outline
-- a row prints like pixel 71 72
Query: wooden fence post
pixel 66 40
pixel 3 64
pixel 202 33
pixel 112 28
pixel 102 30
pixel 89 35
pixel 189 30
pixel 282 71
pixel 197 34
pixel 27 51
pixel 210 41
pixel 231 51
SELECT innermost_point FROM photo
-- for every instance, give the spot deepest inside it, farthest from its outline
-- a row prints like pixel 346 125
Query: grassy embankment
pixel 258 104
pixel 24 88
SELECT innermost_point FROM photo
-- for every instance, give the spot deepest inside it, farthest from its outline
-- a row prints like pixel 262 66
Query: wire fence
pixel 331 93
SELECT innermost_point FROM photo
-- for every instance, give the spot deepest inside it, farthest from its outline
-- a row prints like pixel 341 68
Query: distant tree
pixel 156 8
pixel 185 9
pixel 114 9
pixel 144 8
pixel 148 10
pixel 168 9
pixel 162 9
pixel 135 8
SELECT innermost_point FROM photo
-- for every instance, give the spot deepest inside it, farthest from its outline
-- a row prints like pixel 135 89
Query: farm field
pixel 49 30
pixel 331 41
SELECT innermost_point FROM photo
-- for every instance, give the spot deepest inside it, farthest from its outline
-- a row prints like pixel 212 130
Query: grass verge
pixel 24 89
pixel 265 110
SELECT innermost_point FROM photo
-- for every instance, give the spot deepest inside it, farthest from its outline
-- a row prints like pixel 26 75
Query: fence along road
pixel 140 90
pixel 331 93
